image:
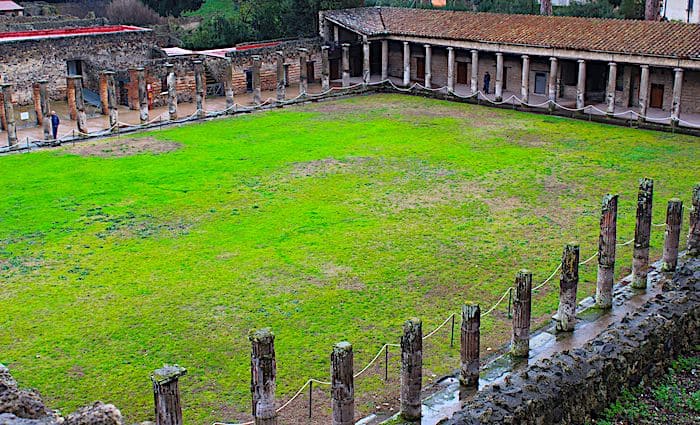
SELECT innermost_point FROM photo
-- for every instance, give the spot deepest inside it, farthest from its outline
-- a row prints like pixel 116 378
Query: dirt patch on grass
pixel 124 147
pixel 326 166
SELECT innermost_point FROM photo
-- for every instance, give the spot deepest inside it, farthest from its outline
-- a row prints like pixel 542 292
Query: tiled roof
pixel 668 39
pixel 66 32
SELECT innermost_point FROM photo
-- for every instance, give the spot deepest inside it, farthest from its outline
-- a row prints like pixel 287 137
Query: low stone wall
pixel 572 386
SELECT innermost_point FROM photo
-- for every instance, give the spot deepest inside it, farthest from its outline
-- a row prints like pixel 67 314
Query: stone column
pixel 79 104
pixel 263 375
pixel 546 7
pixel 610 91
pixel 9 115
pixel 411 369
pixel 693 244
pixel 228 87
pixel 469 347
pixel 428 65
pixel 325 70
pixel 166 394
pixel 677 90
pixel 642 234
pixel 581 85
pixel 112 102
pixel 475 71
pixel 674 219
pixel 406 64
pixel 450 69
pixel 336 33
pixel 36 97
pixel 552 89
pixel 143 95
pixel 522 306
pixel 346 64
pixel 257 91
pixel 70 95
pixel 498 88
pixel 3 121
pixel 45 109
pixel 606 252
pixel 303 72
pixel 281 77
pixel 385 60
pixel 103 93
pixel 199 90
pixel 171 80
pixel 342 385
pixel 366 70
pixel 525 80
pixel 644 91
pixel 568 285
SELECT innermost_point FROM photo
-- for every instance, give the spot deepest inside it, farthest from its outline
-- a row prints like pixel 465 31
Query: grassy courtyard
pixel 326 222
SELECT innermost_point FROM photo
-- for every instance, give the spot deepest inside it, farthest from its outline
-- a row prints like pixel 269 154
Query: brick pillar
pixel 133 89
pixel 525 80
pixel 428 66
pixel 45 109
pixel 70 94
pixel 228 86
pixel 143 95
pixel 103 93
pixel 385 60
pixel 552 89
pixel 112 104
pixel 406 63
pixel 475 71
pixel 281 78
pixel 325 70
pixel 79 102
pixel 581 85
pixel 450 69
pixel 171 80
pixel 257 91
pixel 9 114
pixel 303 72
pixel 366 70
pixel 346 64
pixel 677 90
pixel 199 90
pixel 499 77
pixel 644 91
pixel 610 91
pixel 36 97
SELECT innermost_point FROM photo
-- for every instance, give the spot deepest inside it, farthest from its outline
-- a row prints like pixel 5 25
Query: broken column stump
pixel 693 244
pixel 522 306
pixel 342 384
pixel 228 87
pixel 411 369
pixel 9 110
pixel 257 90
pixel 166 394
pixel 303 71
pixel 143 95
pixel 469 346
pixel 79 102
pixel 45 109
pixel 263 375
pixel 199 88
pixel 568 285
pixel 642 234
pixel 607 243
pixel 281 76
pixel 112 102
pixel 674 218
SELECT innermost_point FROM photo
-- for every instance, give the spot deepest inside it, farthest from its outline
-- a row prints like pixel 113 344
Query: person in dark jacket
pixel 54 124
pixel 487 82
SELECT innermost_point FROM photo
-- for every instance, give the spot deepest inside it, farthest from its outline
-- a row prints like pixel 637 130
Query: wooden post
pixel 411 369
pixel 642 234
pixel 257 91
pixel 568 285
pixel 199 88
pixel 694 232
pixel 143 95
pixel 469 345
pixel 166 394
pixel 281 77
pixel 263 372
pixel 171 80
pixel 674 218
pixel 606 252
pixel 522 303
pixel 112 102
pixel 342 384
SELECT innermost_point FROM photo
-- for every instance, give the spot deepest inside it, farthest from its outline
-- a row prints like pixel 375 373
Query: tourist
pixel 54 124
pixel 487 82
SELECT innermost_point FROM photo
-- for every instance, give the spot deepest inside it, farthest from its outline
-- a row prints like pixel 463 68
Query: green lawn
pixel 325 222
pixel 214 7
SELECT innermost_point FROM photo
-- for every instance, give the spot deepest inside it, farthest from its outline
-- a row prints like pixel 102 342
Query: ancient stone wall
pixel 29 23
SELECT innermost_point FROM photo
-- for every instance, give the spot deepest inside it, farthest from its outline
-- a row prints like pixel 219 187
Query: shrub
pixel 132 12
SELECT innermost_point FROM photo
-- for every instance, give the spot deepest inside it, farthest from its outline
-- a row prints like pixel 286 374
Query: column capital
pixel 324 47
pixel 612 63
pixel 405 43
pixel 256 58
pixel 280 53
pixel 499 54
pixel 302 50
pixel 553 59
pixel 137 68
pixel 450 49
pixel 644 66
pixel 677 70
pixel 197 62
pixel 427 46
pixel 167 65
pixel 345 45
pixel 581 61
pixel 75 77
pixel 525 57
pixel 474 51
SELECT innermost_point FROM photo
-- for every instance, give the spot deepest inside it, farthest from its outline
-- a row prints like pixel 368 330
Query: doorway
pixel 657 96
pixel 462 73
pixel 540 83
pixel 335 69
pixel 310 72
pixel 420 68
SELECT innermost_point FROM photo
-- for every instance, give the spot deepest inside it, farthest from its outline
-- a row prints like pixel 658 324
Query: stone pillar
pixel 172 91
pixel 3 121
pixel 45 109
pixel 79 102
pixel 522 303
pixel 103 93
pixel 342 385
pixel 257 91
pixel 281 77
pixel 568 285
pixel 411 369
pixel 606 252
pixel 325 70
pixel 552 89
pixel 346 64
pixel 428 65
pixel 199 90
pixel 263 375
pixel 143 95
pixel 677 90
pixel 674 219
pixel 581 85
pixel 336 33
pixel 469 347
pixel 303 72
pixel 642 234
pixel 644 92
pixel 406 64
pixel 693 245
pixel 166 394
pixel 70 95
pixel 366 70
pixel 475 71
pixel 546 7
pixel 525 80
pixel 385 60
pixel 450 69
pixel 610 91
pixel 651 10
pixel 9 114
pixel 112 102
pixel 498 88
pixel 36 97
pixel 228 87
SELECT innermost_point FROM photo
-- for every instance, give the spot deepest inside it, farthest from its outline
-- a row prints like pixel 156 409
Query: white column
pixel 428 65
pixel 385 59
pixel 499 77
pixel 677 90
pixel 346 64
pixel 365 62
pixel 610 92
pixel 336 33
pixel 475 71
pixel 552 89
pixel 525 80
pixel 581 85
pixel 644 91
pixel 406 64
pixel 450 69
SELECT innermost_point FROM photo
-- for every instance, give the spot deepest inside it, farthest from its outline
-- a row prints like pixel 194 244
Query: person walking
pixel 54 124
pixel 487 82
